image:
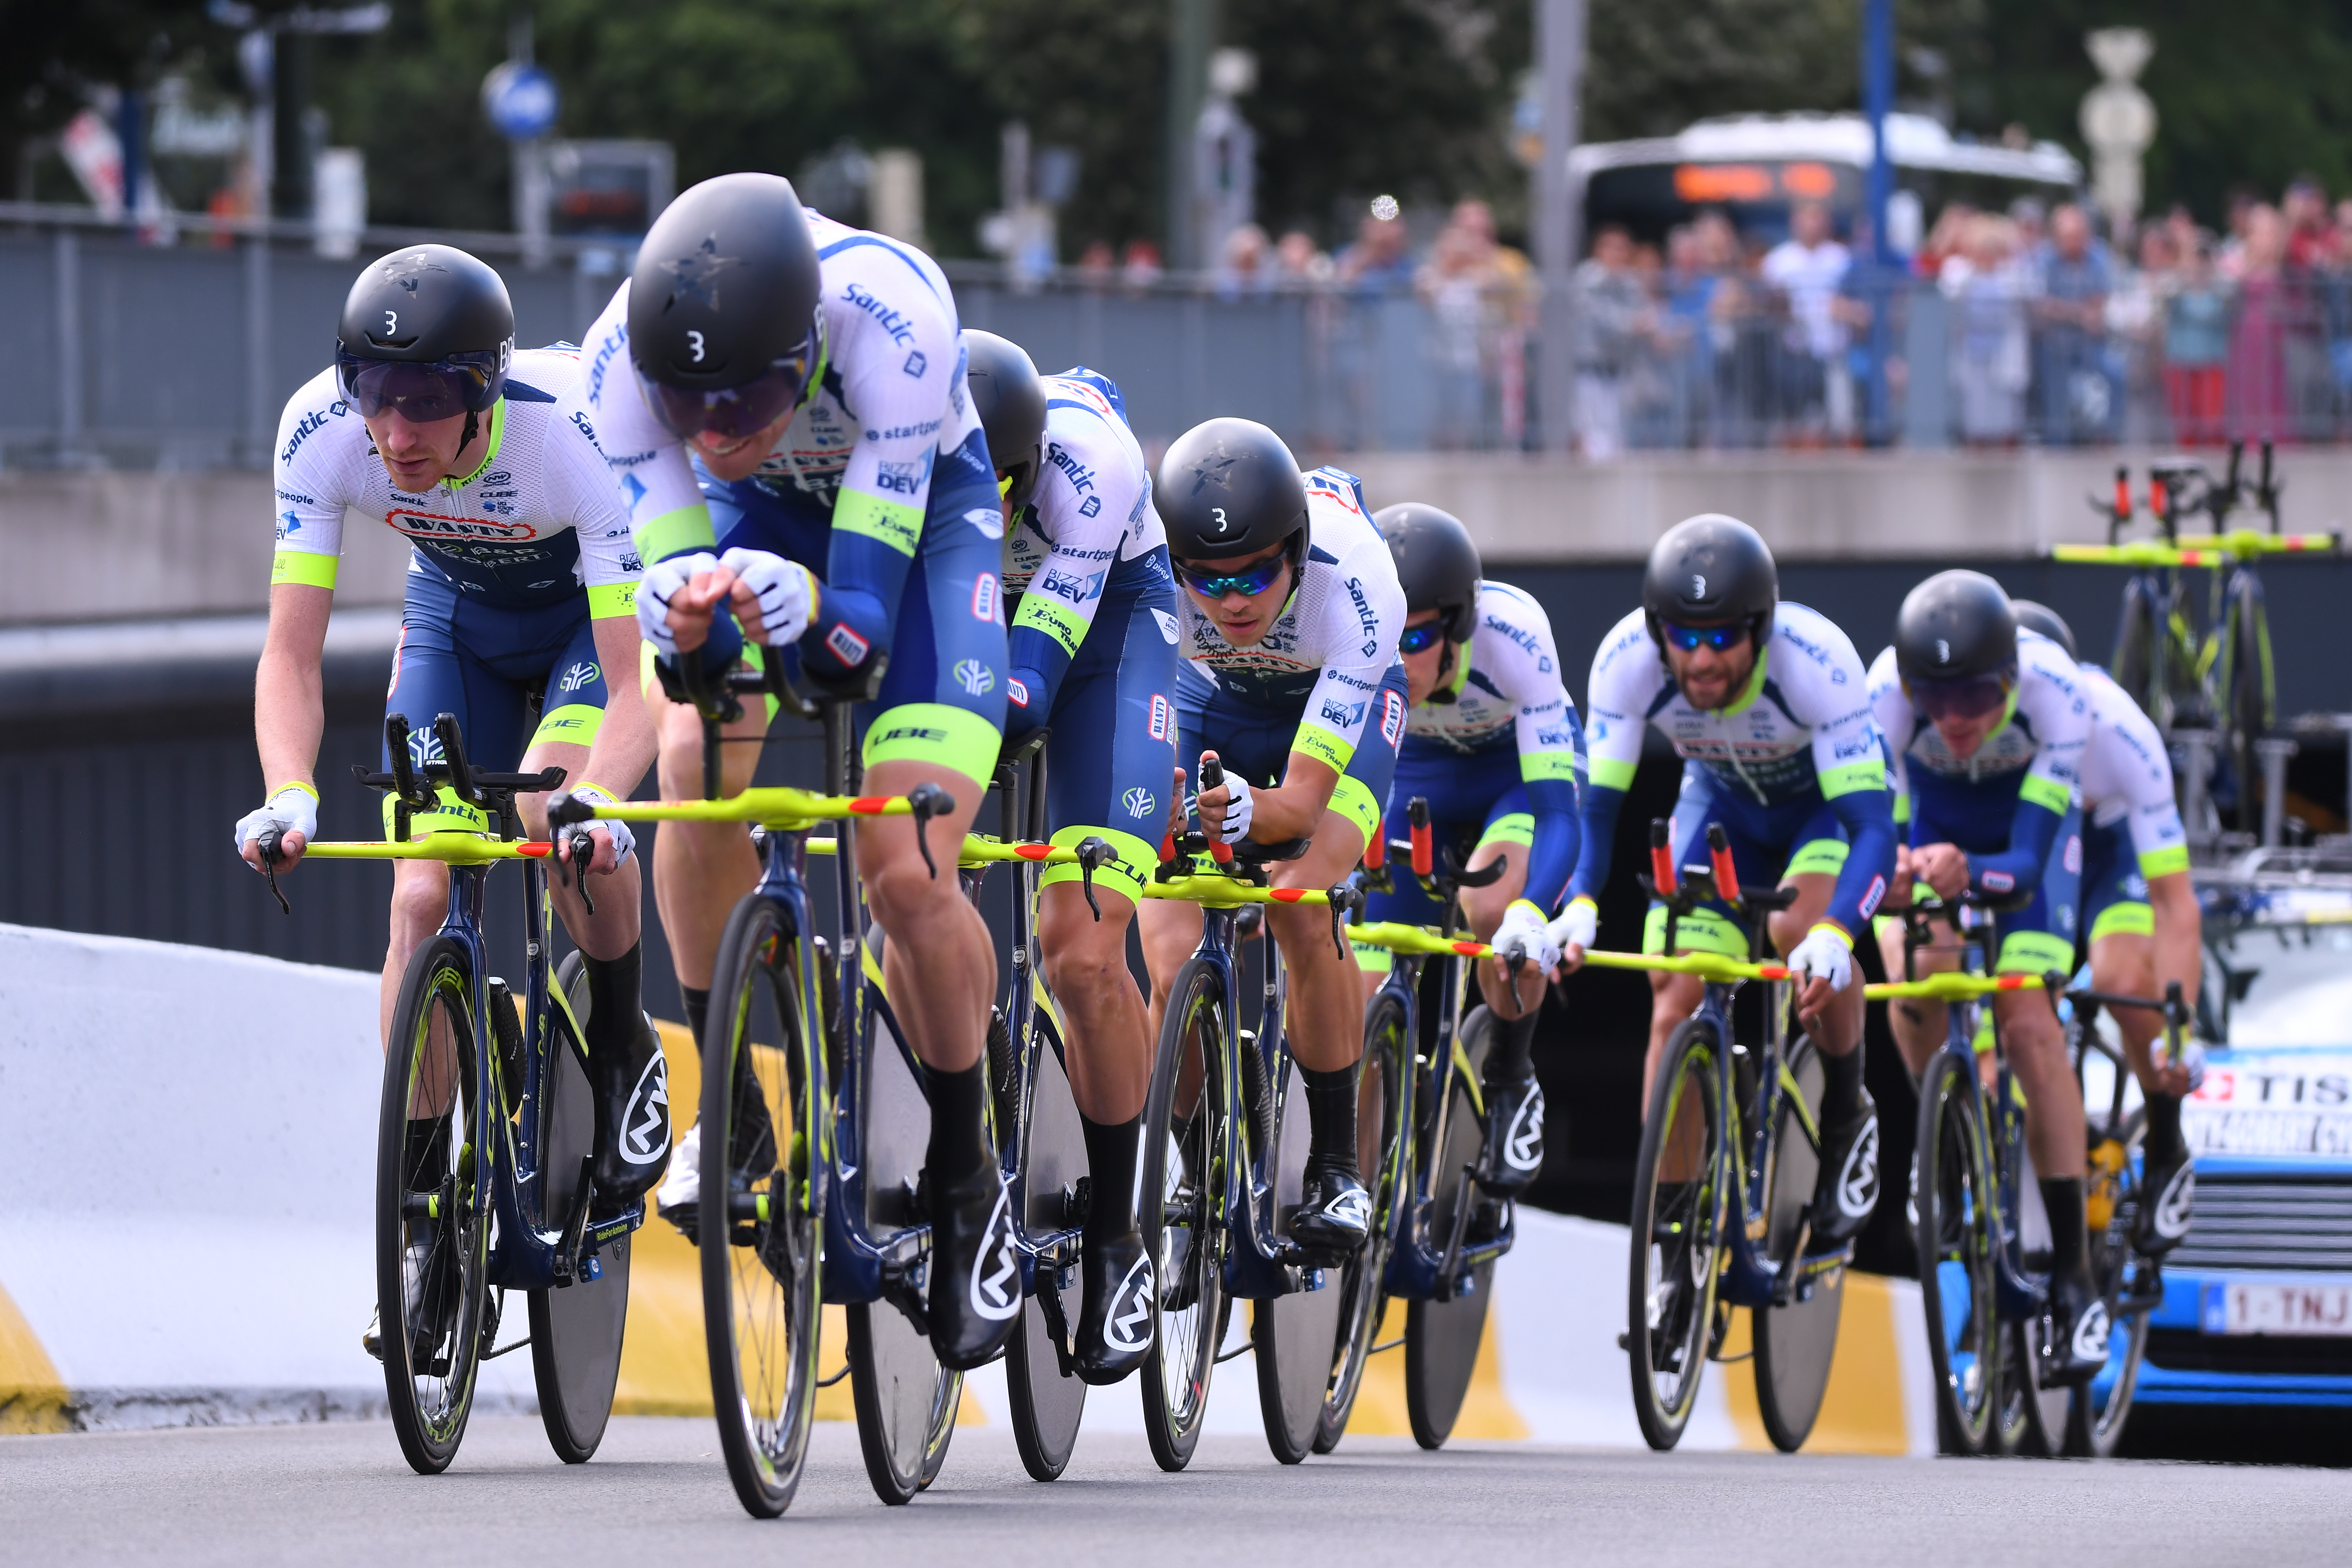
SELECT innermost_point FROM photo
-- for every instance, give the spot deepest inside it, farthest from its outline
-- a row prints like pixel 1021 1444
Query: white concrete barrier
pixel 192 1136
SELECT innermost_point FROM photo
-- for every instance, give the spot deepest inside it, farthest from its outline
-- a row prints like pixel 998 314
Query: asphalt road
pixel 658 1492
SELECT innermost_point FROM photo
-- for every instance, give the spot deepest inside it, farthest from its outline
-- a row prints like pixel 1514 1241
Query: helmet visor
pixel 736 412
pixel 1248 580
pixel 462 384
pixel 1972 697
pixel 1421 638
pixel 1690 640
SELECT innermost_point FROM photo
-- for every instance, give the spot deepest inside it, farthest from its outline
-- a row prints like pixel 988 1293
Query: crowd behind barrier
pixel 2006 328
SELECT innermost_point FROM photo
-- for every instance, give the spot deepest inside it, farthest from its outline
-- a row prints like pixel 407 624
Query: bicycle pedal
pixel 1624 1339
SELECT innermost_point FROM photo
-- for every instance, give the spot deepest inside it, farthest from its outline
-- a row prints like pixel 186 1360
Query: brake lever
pixel 1346 899
pixel 924 802
pixel 582 845
pixel 268 844
pixel 1093 852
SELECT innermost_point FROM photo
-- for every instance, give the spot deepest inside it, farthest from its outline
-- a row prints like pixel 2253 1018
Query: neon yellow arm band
pixel 312 571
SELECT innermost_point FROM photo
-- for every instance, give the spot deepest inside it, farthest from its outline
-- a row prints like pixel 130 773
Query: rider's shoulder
pixel 1815 637
pixel 1511 615
pixel 317 423
pixel 1626 652
pixel 884 281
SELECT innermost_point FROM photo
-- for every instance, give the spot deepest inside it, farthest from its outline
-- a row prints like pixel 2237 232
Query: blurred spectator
pixel 1450 285
pixel 1096 263
pixel 1990 365
pixel 2258 338
pixel 2231 257
pixel 1807 268
pixel 1507 312
pixel 1244 267
pixel 1947 239
pixel 1141 267
pixel 1297 260
pixel 1380 259
pixel 1610 315
pixel 2073 278
pixel 2310 238
pixel 2027 215
pixel 2196 348
pixel 2136 337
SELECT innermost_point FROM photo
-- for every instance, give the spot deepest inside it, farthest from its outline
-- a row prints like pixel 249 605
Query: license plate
pixel 2322 1309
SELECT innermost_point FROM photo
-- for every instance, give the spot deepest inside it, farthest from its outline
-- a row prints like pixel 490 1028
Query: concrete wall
pixel 110 545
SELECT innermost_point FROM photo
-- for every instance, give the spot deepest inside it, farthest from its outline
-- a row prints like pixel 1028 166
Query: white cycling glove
pixel 660 583
pixel 785 591
pixel 1239 807
pixel 623 841
pixel 1825 953
pixel 1578 925
pixel 1524 935
pixel 293 809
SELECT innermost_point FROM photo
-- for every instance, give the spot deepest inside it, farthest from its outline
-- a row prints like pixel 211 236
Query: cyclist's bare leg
pixel 2125 963
pixel 1170 929
pixel 939 962
pixel 618 921
pixel 1673 999
pixel 1325 1022
pixel 701 868
pixel 1109 1055
pixel 1917 1023
pixel 2036 1049
pixel 1837 1029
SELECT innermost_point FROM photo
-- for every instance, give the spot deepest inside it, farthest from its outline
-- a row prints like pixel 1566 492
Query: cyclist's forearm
pixel 1868 817
pixel 289 711
pixel 2018 869
pixel 1559 838
pixel 627 741
pixel 1295 808
pixel 2179 932
pixel 1599 831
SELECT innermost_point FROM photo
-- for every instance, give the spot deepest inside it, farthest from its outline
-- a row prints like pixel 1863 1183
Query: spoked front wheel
pixel 2097 1411
pixel 1383 1152
pixel 1442 1338
pixel 1296 1336
pixel 762 1207
pixel 1677 1235
pixel 1953 1195
pixel 575 1332
pixel 433 1221
pixel 1795 1342
pixel 1185 1142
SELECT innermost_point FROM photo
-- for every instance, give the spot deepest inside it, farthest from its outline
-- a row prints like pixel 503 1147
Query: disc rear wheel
pixel 1795 1342
pixel 1047 1403
pixel 1442 1337
pixel 1383 1152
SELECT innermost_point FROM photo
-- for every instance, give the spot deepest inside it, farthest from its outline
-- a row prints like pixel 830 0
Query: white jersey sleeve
pixel 1891 711
pixel 316 476
pixel 1627 676
pixel 1092 509
pixel 2128 776
pixel 1820 677
pixel 1354 628
pixel 580 486
pixel 2050 696
pixel 660 494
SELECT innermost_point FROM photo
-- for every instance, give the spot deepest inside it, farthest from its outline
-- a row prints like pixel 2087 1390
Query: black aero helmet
pixel 1229 488
pixel 1011 403
pixel 725 325
pixel 1709 570
pixel 2033 617
pixel 1437 563
pixel 1956 627
pixel 428 330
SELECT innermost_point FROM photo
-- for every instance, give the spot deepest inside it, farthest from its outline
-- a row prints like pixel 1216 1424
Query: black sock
pixel 1841 1086
pixel 959 1145
pixel 1111 1150
pixel 425 1154
pixel 1509 1060
pixel 1330 1118
pixel 2163 1126
pixel 616 1011
pixel 2062 1197
pixel 698 1009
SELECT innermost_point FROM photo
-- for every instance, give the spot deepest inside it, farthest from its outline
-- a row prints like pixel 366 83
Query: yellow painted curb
pixel 33 1397
pixel 1487 1409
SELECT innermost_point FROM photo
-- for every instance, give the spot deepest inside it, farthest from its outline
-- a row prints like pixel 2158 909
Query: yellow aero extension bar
pixel 2200 549
pixel 451 847
pixel 1953 986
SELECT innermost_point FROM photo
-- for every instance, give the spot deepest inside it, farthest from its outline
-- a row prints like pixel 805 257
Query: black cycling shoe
pixel 426 1284
pixel 2167 1201
pixel 632 1090
pixel 1335 1213
pixel 2078 1333
pixel 1846 1191
pixel 1115 1318
pixel 975 1274
pixel 1514 1149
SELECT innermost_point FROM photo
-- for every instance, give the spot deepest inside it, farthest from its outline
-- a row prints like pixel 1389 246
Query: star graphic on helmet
pixel 696 272
pixel 408 271
pixel 1214 470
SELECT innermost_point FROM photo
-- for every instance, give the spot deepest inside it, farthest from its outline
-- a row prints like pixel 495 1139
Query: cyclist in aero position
pixel 2140 919
pixel 813 372
pixel 1767 704
pixel 1986 730
pixel 1291 612
pixel 520 577
pixel 1491 742
pixel 1093 657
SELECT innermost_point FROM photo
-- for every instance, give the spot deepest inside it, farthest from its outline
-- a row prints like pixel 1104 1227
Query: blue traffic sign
pixel 521 99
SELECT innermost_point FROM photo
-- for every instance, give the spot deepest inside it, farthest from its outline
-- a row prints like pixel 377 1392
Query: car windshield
pixel 2287 985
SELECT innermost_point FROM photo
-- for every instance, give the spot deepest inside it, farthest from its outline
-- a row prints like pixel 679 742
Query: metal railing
pixel 181 354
